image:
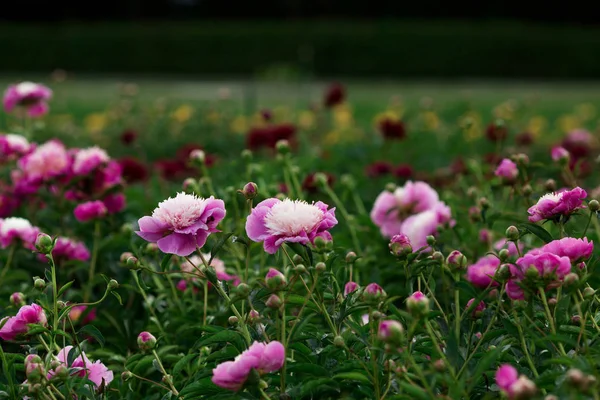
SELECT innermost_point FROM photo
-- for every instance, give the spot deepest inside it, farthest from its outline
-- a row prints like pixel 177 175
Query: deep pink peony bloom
pixel 264 358
pixel 548 265
pixel 575 249
pixel 559 153
pixel 17 325
pixel 14 230
pixel 482 273
pixel 87 160
pixel 68 249
pixel 553 205
pixel 29 95
pixel 275 222
pixel 350 287
pixel 182 223
pixel 11 144
pixel 507 170
pixel 514 290
pixel 90 210
pixel 114 203
pixel 95 371
pixel 47 161
pixel 506 376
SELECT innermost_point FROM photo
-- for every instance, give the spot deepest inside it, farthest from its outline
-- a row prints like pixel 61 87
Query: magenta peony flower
pixel 548 265
pixel 476 312
pixel 482 273
pixel 11 144
pixel 182 223
pixel 576 250
pixel 554 205
pixel 114 203
pixel 68 249
pixel 87 160
pixel 275 222
pixel 506 376
pixel 559 153
pixel 84 367
pixel 90 210
pixel 29 95
pixel 507 170
pixel 264 358
pixel 17 230
pixel 47 161
pixel 17 325
pixel 350 287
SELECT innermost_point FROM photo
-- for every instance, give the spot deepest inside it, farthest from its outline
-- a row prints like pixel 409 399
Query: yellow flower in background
pixel 471 125
pixel 333 137
pixel 567 123
pixel 536 125
pixel 585 111
pixel 343 136
pixel 431 120
pixel 239 125
pixel 307 119
pixel 182 113
pixel 95 122
pixel 258 120
pixel 213 117
pixel 506 110
pixel 386 115
pixel 282 113
pixel 342 116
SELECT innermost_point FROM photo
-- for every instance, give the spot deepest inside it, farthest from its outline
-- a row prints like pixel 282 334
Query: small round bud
pixel 274 302
pixel 253 317
pixel 376 315
pixel 320 179
pixel 233 320
pixel 389 365
pixel 39 284
pixel 373 294
pixel 484 203
pixel 472 192
pixel 250 190
pixel 456 260
pixel 576 319
pixel 527 190
pixel 132 263
pixel 61 305
pixel 61 372
pixel 146 341
pixel 242 290
pixel 350 287
pixel 32 358
pixel 571 279
pixel 503 272
pixel 400 246
pixel 299 269
pixel 390 331
pixel 127 228
pixel 512 233
pixel 552 301
pixel 430 240
pixel 503 255
pixel 126 375
pixel 198 156
pixel 475 214
pixel 297 259
pixel 189 184
pixel 35 372
pixel 551 397
pixel 532 273
pixel 351 257
pixel 124 256
pixel 550 185
pixel 151 248
pixel 246 155
pixel 418 304
pixel 439 365
pixel 320 267
pixel 113 284
pixel 348 181
pixel 17 299
pixel 262 384
pixel 44 243
pixel 588 292
pixel 594 206
pixel 523 389
pixel 275 280
pixel 321 243
pixel 338 341
pixel 391 187
pixel 521 159
pixel 576 378
pixel 437 256
pixel 282 146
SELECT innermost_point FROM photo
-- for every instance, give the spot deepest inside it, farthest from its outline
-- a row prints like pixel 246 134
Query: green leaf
pixel 218 246
pixel 64 288
pixel 203 387
pixel 182 363
pixel 529 227
pixel 227 336
pixel 318 388
pixel 92 331
pixel 483 364
pixel 352 376
pixel 165 262
pixel 308 369
pixel 414 392
pixel 118 296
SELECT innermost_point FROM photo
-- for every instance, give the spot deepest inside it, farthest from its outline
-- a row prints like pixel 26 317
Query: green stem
pixel 282 373
pixel 263 395
pixel 374 358
pixel 166 376
pixel 588 224
pixel 551 319
pixel 524 346
pixel 54 292
pixel 11 254
pixel 145 296
pixel 438 348
pixel 457 312
pixel 7 375
pixel 205 306
pixel 88 291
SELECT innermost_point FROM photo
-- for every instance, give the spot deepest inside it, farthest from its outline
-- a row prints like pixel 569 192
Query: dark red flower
pixel 392 128
pixel 492 158
pixel 496 133
pixel 283 188
pixel 524 139
pixel 458 166
pixel 128 136
pixel 268 136
pixel 334 95
pixel 184 154
pixel 133 170
pixel 310 185
pixel 266 114
pixel 582 168
pixel 378 168
pixel 578 143
pixel 173 169
pixel 404 171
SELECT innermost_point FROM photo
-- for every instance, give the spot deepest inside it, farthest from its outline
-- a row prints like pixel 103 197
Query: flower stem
pixel 54 292
pixel 524 346
pixel 263 395
pixel 457 311
pixel 166 376
pixel 205 306
pixel 282 373
pixel 11 254
pixel 550 319
pixel 588 224
pixel 88 291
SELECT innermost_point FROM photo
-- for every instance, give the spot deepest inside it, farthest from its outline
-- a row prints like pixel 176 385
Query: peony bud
pixel 512 233
pixel 391 187
pixel 351 257
pixel 132 263
pixel 275 280
pixel 588 292
pixel 190 184
pixel 246 155
pixel 44 243
pixel 527 190
pixel 550 185
pixel 390 331
pixel 233 320
pixel 418 304
pixel 146 341
pixel 400 245
pixel 594 205
pixel 242 290
pixel 250 190
pixel 282 146
pixel 151 248
pixel 373 293
pixel 320 267
pixel 300 269
pixel 126 375
pixel 274 302
pixel 560 155
pixel 320 179
pixel 350 287
pixel 438 256
pixel 484 203
pixel 198 156
pixel 253 317
pixel 338 341
pixel 35 372
pixel 17 299
pixel 478 310
pixel 570 279
pixel 503 255
pixel 430 239
pixel 456 260
pixel 439 365
pixel 575 319
pixel 113 284
pixel 32 358
pixel 39 284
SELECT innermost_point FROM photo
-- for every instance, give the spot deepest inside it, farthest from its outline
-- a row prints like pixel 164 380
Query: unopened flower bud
pixel 521 159
pixel 478 310
pixel 532 273
pixel 242 290
pixel 390 331
pixel 527 190
pixel 523 389
pixel 439 365
pixel 338 341
pixel 253 316
pixel 551 397
pixel 39 284
pixel 418 304
pixel 113 284
pixel 570 279
pixel 437 256
pixel 472 192
pixel 588 292
pixel 503 255
pixel 484 203
pixel 456 260
pixel 400 245
pixel 389 365
pixel 35 372
pixel 321 243
pixel 233 320
pixel 146 341
pixel 246 155
pixel 190 184
pixel 348 181
pixel 594 205
pixel 300 269
pixel 275 280
pixel 274 302
pixel 475 214
pixel 320 179
pixel 430 239
pixel 127 228
pixel 44 243
pixel 376 315
pixel 320 267
pixel 576 378
pixel 198 156
pixel 351 257
pixel 373 294
pixel 61 304
pixel 32 358
pixel 151 248
pixel 282 146
pixel 124 256
pixel 391 187
pixel 350 287
pixel 126 375
pixel 17 299
pixel 575 319
pixel 61 372
pixel 512 233
pixel 132 263
pixel 250 190
pixel 297 259
pixel 550 185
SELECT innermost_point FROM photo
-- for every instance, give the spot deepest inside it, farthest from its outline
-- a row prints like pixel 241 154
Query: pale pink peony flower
pixel 11 144
pixel 482 273
pixel 216 263
pixel 559 153
pixel 17 230
pixel 87 160
pixel 275 222
pixel 575 249
pixel 507 170
pixel 264 358
pixel 548 265
pixel 18 325
pixel 47 161
pixel 182 223
pixel 554 205
pixel 90 210
pixel 96 372
pixel 29 95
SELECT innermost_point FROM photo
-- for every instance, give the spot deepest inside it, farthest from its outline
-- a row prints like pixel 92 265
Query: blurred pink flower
pixel 506 376
pixel 18 325
pixel 482 273
pixel 507 170
pixel 11 144
pixel 15 230
pixel 554 205
pixel 47 161
pixel 29 95
pixel 575 249
pixel 90 210
pixel 559 153
pixel 96 372
pixel 87 160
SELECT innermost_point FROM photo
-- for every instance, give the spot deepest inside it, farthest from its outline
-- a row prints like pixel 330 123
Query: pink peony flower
pixel 182 223
pixel 350 287
pixel 275 222
pixel 578 143
pixel 87 160
pixel 47 161
pixel 506 376
pixel 553 205
pixel 66 249
pixel 575 249
pixel 90 210
pixel 507 170
pixel 11 144
pixel 17 325
pixel 114 203
pixel 514 290
pixel 482 273
pixel 559 153
pixel 95 371
pixel 548 265
pixel 264 358
pixel 479 308
pixel 77 312
pixel 17 230
pixel 29 95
